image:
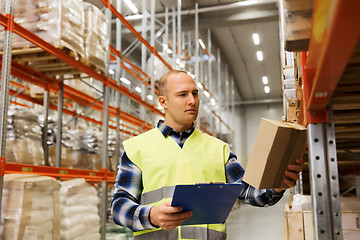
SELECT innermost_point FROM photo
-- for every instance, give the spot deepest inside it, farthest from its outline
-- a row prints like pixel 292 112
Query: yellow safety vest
pixel 164 165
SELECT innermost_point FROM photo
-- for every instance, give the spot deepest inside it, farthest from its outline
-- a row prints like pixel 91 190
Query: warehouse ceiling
pixel 231 25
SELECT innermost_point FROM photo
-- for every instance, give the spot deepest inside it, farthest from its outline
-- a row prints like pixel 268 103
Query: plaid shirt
pixel 125 207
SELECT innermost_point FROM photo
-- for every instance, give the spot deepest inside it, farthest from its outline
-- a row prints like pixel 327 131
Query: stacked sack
pixel 79 211
pixel 96 37
pixel 23 137
pixel 59 22
pixel 30 207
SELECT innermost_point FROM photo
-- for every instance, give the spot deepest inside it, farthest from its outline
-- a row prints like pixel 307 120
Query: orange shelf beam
pixel 335 33
pixel 60 172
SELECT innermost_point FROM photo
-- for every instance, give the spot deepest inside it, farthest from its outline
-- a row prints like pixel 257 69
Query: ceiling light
pixel 169 50
pixel 200 85
pixel 177 61
pixel 131 6
pixel 267 89
pixel 259 55
pixel 150 97
pixel 201 43
pixel 138 89
pixel 124 80
pixel 182 64
pixel 212 101
pixel 265 80
pixel 206 93
pixel 191 75
pixel 256 38
pixel 111 71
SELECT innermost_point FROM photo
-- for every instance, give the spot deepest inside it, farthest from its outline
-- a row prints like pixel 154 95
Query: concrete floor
pixel 252 223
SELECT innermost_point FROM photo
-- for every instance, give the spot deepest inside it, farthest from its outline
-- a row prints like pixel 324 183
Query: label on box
pixel 63 153
pixel 31 233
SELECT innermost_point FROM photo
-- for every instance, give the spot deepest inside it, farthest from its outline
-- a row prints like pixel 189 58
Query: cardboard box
pixel 32 207
pixel 277 145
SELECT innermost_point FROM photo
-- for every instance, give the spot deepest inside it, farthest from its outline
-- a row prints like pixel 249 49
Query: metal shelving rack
pixel 334 38
pixel 56 85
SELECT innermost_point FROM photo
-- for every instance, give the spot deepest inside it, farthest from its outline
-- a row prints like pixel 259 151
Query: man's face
pixel 181 101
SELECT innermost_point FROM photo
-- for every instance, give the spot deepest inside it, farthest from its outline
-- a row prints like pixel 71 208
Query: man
pixel 177 153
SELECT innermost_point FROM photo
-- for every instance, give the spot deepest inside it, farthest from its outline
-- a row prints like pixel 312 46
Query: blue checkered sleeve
pixel 125 207
pixel 249 194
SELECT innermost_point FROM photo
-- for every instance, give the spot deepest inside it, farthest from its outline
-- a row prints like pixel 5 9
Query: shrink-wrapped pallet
pixel 59 22
pixel 79 211
pixel 96 37
pixel 31 207
pixel 23 137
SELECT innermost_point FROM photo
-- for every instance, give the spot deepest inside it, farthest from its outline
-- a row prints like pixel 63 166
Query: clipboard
pixel 210 203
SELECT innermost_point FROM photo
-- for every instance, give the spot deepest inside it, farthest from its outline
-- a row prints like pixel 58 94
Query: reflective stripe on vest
pixel 171 234
pixel 164 165
pixel 194 232
pixel 157 195
pixel 187 232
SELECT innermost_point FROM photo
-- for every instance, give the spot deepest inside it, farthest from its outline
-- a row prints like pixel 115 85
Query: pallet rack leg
pixel 59 124
pixel 324 181
pixel 45 130
pixel 4 96
pixel 104 157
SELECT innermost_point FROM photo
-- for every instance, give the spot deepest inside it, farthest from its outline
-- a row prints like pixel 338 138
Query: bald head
pixel 164 78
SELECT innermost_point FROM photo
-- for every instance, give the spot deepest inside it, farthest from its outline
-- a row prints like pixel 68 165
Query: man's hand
pixel 168 217
pixel 292 174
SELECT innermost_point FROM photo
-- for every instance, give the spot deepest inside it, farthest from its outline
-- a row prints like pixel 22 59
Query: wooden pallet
pixel 46 63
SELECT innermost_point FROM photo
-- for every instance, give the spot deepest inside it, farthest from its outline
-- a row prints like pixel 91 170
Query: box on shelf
pixel 297 24
pixel 31 207
pixel 277 144
pixel 95 37
pixel 302 226
pixel 79 210
pixel 59 22
pixel 23 137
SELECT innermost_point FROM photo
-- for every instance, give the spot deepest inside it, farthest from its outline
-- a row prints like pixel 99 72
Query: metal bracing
pixel 82 113
pixel 20 91
pixel 324 181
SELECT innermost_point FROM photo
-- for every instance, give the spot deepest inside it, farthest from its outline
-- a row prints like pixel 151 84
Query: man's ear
pixel 162 101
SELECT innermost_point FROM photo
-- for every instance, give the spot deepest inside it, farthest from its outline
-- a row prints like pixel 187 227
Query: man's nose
pixel 191 99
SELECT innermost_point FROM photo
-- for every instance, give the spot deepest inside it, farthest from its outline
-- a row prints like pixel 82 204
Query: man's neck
pixel 178 127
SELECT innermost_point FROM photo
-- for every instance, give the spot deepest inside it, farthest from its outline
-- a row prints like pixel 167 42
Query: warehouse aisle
pixel 252 223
